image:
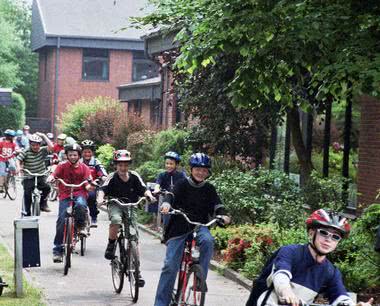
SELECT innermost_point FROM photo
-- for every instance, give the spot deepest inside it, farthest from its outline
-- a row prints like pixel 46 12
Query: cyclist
pixel 59 146
pixel 97 172
pixel 199 200
pixel 166 180
pixel 122 184
pixel 7 154
pixel 33 159
pixel 299 272
pixel 25 136
pixel 72 172
pixel 19 141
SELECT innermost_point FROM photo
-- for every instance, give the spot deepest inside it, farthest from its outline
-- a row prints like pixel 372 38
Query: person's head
pixel 326 229
pixel 26 129
pixel 88 149
pixel 73 153
pixel 172 160
pixel 9 134
pixel 19 133
pixel 70 141
pixel 61 139
pixel 200 165
pixel 35 142
pixel 122 160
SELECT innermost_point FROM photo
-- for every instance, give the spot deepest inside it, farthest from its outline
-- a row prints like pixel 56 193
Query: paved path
pixel 89 280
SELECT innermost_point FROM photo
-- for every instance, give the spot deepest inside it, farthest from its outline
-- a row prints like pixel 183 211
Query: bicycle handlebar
pixel 118 202
pixel 178 212
pixel 36 174
pixel 71 185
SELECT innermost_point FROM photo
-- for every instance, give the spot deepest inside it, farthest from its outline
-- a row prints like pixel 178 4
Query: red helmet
pixel 324 218
pixel 121 155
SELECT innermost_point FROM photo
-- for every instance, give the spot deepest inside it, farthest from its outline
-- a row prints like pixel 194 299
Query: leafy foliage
pixel 13 116
pixel 105 155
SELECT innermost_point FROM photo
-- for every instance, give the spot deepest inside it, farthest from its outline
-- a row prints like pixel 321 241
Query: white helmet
pixel 35 138
pixel 62 136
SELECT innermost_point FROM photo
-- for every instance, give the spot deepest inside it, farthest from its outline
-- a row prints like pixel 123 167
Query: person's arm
pixel 104 190
pixel 50 145
pixel 173 199
pixel 19 161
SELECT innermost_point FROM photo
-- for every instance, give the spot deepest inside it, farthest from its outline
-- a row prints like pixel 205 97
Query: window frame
pixel 103 58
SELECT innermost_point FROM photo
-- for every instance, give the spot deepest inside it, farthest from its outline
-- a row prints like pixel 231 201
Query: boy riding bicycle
pixel 300 272
pixel 72 172
pixel 7 155
pixel 122 184
pixel 199 200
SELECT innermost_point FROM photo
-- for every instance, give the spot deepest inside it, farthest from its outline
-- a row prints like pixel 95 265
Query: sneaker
pixel 110 251
pixel 46 209
pixel 94 224
pixel 57 258
pixel 141 281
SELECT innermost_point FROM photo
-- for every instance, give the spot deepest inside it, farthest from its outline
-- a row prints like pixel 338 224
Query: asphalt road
pixel 89 280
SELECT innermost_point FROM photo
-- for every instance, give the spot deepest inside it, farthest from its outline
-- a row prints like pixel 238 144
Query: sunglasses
pixel 327 234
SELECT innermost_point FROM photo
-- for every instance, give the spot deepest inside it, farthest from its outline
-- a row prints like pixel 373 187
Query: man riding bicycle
pixel 72 172
pixel 125 185
pixel 7 155
pixel 33 160
pixel 98 172
pixel 300 272
pixel 199 200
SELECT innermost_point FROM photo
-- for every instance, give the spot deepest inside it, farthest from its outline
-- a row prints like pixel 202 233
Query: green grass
pixel 32 295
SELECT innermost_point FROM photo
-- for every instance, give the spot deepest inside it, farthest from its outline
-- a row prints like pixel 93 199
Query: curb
pixel 214 265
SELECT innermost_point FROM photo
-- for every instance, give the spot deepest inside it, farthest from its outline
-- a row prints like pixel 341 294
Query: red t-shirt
pixel 57 148
pixel 72 175
pixel 7 149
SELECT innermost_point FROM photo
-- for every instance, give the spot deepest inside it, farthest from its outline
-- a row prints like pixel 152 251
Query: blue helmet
pixel 19 133
pixel 10 133
pixel 173 155
pixel 200 160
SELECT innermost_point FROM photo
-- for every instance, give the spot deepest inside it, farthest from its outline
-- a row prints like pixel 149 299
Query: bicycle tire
pixel 83 241
pixel 11 188
pixel 194 279
pixel 1 287
pixel 117 266
pixel 68 237
pixel 133 270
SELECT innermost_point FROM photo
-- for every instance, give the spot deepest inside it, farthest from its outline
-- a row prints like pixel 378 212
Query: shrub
pixel 149 170
pixel 260 196
pixel 13 116
pixel 105 155
pixel 73 119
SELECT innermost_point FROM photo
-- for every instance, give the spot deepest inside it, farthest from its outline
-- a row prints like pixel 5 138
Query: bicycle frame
pixel 36 193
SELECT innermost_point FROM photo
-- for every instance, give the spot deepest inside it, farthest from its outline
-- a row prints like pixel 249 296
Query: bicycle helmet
pixel 35 138
pixel 9 133
pixel 121 155
pixel 324 218
pixel 88 144
pixel 26 127
pixel 61 136
pixel 70 141
pixel 200 160
pixel 19 133
pixel 73 147
pixel 173 155
pixel 50 136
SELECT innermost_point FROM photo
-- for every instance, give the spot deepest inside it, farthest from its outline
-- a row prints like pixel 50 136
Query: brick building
pixel 83 53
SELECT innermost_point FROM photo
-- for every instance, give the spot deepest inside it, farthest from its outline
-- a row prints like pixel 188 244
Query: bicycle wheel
pixel 11 189
pixel 1 287
pixel 83 241
pixel 67 239
pixel 193 292
pixel 133 270
pixel 117 266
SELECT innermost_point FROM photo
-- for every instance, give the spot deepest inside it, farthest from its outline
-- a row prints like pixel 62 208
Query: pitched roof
pixel 86 20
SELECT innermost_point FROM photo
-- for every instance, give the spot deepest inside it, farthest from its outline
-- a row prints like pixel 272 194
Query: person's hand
pixel 165 207
pixel 90 187
pixel 286 296
pixel 40 134
pixel 151 198
pixel 368 303
pixel 226 219
pixel 50 179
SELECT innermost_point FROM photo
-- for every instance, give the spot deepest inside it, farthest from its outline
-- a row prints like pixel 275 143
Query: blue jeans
pixel 174 250
pixel 80 219
pixel 91 203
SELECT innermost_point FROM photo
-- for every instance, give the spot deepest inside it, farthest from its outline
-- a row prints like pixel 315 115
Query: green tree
pixel 13 116
pixel 296 54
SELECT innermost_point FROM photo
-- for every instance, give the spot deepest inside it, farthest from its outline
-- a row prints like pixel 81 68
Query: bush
pixel 260 196
pixel 73 119
pixel 105 155
pixel 13 116
pixel 149 170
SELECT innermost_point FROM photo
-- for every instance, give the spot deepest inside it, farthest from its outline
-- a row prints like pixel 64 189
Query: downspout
pixel 56 83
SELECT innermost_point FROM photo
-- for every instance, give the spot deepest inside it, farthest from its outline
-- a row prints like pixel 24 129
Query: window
pixel 135 107
pixel 143 68
pixel 95 64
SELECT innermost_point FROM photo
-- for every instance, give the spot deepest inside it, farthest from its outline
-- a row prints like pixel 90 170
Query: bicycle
pixel 70 233
pixel 35 208
pixel 10 188
pixel 191 284
pixel 126 260
pixel 2 285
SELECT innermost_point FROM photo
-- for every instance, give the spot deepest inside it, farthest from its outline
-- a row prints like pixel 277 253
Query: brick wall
pixel 369 152
pixel 71 87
